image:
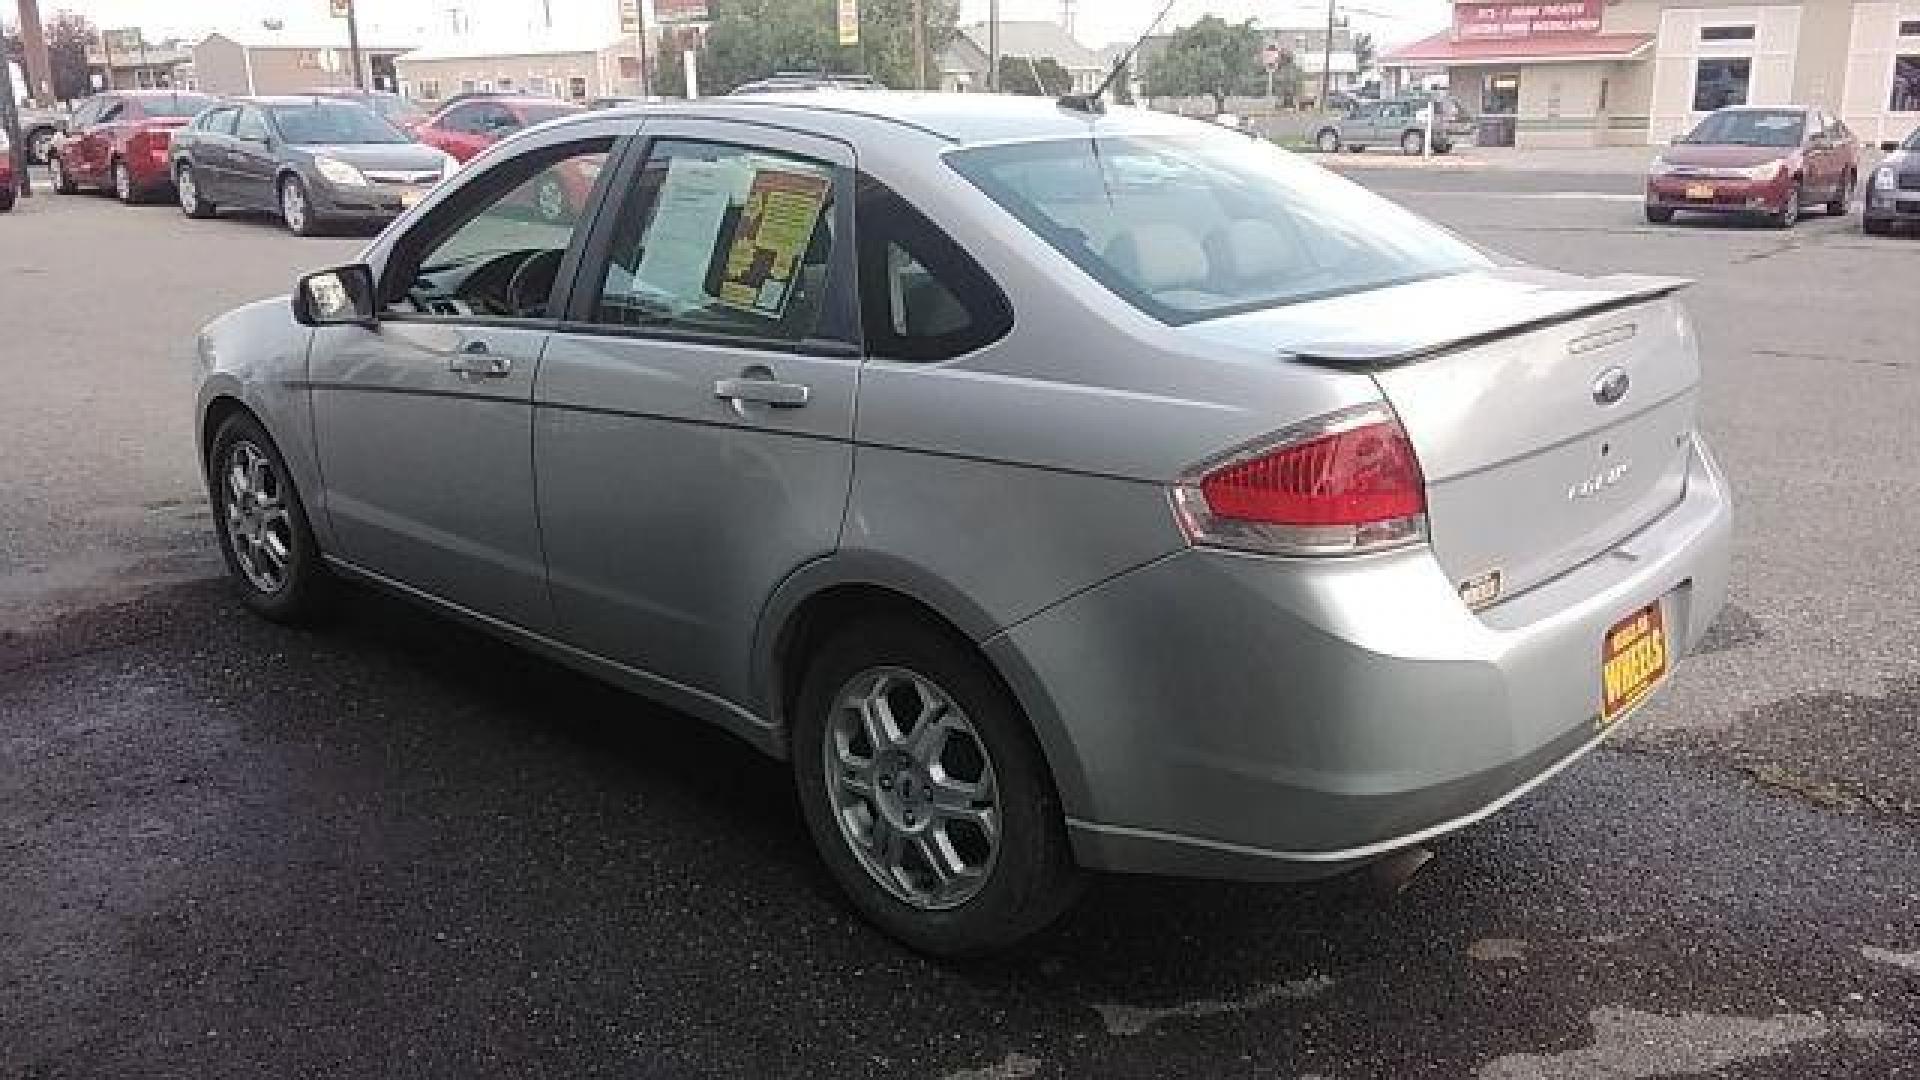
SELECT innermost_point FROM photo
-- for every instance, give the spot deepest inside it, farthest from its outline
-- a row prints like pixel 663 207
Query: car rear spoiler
pixel 1531 311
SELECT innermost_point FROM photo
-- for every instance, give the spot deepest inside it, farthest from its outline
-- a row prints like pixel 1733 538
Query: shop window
pixel 1910 28
pixel 1726 33
pixel 1906 84
pixel 1721 81
pixel 577 88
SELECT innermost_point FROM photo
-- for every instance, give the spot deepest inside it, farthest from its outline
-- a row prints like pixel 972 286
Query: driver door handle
pixel 780 395
pixel 476 361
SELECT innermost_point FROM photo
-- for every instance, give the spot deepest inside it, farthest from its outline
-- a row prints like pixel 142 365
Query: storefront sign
pixel 1524 20
pixel 673 12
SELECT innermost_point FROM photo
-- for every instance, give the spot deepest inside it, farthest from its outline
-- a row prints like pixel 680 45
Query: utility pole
pixel 993 45
pixel 920 44
pixel 1326 60
pixel 33 40
pixel 106 55
pixel 353 46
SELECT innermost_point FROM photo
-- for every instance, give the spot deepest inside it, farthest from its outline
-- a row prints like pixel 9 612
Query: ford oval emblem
pixel 1611 386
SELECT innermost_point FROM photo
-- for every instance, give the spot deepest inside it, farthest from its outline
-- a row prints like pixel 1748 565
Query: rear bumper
pixel 1230 716
pixel 1727 196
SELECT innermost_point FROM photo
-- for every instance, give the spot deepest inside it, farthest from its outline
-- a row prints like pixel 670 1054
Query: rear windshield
pixel 333 123
pixel 175 106
pixel 1750 127
pixel 1204 224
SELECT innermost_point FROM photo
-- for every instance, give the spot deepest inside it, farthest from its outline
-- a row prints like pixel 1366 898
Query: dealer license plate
pixel 1633 660
pixel 408 199
pixel 1700 191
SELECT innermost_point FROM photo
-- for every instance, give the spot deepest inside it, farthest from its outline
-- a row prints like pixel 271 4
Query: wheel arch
pixel 826 596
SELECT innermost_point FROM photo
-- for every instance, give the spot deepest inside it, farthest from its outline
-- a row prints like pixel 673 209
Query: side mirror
pixel 1891 146
pixel 343 296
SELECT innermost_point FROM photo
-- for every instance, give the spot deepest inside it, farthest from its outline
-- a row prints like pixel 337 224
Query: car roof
pixel 961 119
pixel 1766 108
pixel 289 99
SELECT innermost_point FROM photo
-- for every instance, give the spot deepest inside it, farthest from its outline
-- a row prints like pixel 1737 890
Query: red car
pixel 1771 161
pixel 7 179
pixel 469 125
pixel 120 142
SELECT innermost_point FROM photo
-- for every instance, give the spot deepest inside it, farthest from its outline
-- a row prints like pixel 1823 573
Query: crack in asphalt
pixel 1628 1043
pixel 1135 1020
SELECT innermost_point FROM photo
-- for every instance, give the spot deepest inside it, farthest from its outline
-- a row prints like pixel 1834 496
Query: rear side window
pixel 218 121
pixel 922 298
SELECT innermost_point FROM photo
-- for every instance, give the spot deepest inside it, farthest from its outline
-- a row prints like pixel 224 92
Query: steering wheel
pixel 525 278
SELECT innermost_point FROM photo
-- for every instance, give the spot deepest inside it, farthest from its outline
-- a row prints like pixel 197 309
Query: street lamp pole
pixel 993 46
pixel 353 46
pixel 1326 60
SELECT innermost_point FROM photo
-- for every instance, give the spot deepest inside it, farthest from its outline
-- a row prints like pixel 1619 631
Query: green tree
pixel 752 39
pixel 68 35
pixel 1363 53
pixel 1040 76
pixel 1211 57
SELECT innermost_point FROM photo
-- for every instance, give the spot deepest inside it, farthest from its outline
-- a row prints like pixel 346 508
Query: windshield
pixel 1205 224
pixel 333 123
pixel 1913 141
pixel 175 106
pixel 396 109
pixel 1750 127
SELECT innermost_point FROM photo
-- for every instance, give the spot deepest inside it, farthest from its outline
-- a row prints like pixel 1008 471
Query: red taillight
pixel 1345 484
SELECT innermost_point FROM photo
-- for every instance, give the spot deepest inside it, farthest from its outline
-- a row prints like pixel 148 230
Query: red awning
pixel 1441 50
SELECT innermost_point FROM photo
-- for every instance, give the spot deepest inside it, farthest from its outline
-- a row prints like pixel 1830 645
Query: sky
pixel 1097 22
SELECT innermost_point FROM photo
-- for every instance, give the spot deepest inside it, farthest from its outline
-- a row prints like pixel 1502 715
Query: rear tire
pixel 124 187
pixel 1789 214
pixel 1659 215
pixel 191 203
pixel 1328 141
pixel 62 179
pixel 1412 143
pixel 1842 197
pixel 6 198
pixel 40 145
pixel 855 804
pixel 272 557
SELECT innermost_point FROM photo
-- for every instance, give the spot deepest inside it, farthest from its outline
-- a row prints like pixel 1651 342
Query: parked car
pixel 8 181
pixel 315 161
pixel 620 101
pixel 1756 160
pixel 786 82
pixel 465 127
pixel 1162 503
pixel 1893 191
pixel 120 142
pixel 392 108
pixel 1397 122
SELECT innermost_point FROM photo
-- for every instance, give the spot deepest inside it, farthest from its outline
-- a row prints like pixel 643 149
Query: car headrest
pixel 1250 250
pixel 1158 257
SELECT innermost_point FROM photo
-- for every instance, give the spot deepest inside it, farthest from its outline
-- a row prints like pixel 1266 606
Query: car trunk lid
pixel 1551 414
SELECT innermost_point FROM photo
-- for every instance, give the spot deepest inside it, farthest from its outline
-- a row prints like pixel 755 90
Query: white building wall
pixel 1772 49
pixel 1874 48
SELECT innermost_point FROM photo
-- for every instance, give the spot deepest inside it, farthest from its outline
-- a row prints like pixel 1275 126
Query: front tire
pixel 1789 214
pixel 926 792
pixel 264 533
pixel 1659 215
pixel 1328 141
pixel 63 182
pixel 191 202
pixel 40 145
pixel 1412 143
pixel 7 194
pixel 1876 226
pixel 296 209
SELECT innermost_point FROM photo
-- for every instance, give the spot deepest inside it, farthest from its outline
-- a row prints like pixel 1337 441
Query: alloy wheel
pixel 912 787
pixel 189 193
pixel 258 525
pixel 57 173
pixel 293 206
pixel 123 181
pixel 40 149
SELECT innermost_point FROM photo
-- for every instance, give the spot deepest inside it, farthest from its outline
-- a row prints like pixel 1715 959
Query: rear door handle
pixel 780 395
pixel 476 361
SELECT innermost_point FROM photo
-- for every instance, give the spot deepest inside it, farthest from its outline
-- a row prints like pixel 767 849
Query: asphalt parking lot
pixel 392 848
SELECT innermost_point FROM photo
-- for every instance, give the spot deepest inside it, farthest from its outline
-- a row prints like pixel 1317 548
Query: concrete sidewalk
pixel 1611 160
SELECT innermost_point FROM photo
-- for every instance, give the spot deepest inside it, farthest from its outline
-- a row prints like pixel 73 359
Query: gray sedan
pixel 1056 490
pixel 1893 188
pixel 315 161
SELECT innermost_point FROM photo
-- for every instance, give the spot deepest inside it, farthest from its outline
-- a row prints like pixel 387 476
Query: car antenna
pixel 1092 103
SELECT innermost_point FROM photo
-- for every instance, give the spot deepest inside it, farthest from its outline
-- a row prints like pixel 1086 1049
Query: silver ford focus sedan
pixel 1058 490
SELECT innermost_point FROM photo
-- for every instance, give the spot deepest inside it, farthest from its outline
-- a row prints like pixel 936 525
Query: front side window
pixel 335 123
pixel 218 121
pixel 1750 127
pixel 251 127
pixel 1195 225
pixel 174 106
pixel 493 251
pixel 723 240
pixel 1719 82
